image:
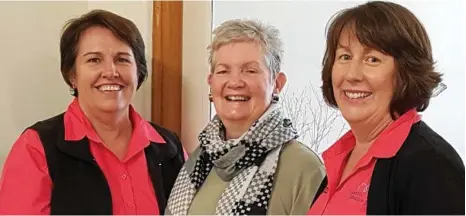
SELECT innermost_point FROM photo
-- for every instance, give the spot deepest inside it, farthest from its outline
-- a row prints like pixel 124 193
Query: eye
pixel 344 57
pixel 373 60
pixel 251 70
pixel 123 60
pixel 220 72
pixel 93 60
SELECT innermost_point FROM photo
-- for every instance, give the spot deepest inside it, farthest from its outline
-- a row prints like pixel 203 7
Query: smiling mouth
pixel 357 95
pixel 237 98
pixel 109 88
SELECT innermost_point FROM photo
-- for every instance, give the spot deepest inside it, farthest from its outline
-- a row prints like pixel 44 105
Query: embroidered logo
pixel 360 194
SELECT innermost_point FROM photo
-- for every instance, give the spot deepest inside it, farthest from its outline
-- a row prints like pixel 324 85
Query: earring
pixel 275 98
pixel 72 91
pixel 210 97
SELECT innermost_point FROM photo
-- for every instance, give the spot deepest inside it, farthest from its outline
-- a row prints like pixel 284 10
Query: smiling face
pixel 363 80
pixel 241 84
pixel 105 71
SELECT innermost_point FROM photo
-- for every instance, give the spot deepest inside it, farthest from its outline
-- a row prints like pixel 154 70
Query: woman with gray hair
pixel 248 161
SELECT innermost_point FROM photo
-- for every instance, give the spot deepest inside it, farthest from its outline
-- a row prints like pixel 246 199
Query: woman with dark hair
pixel 99 156
pixel 379 71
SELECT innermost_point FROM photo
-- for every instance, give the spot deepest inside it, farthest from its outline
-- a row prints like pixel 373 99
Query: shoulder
pixel 294 153
pixel 299 164
pixel 48 124
pixel 424 147
pixel 299 174
pixel 429 174
pixel 164 132
pixel 29 139
pixel 172 140
pixel 27 148
pixel 169 136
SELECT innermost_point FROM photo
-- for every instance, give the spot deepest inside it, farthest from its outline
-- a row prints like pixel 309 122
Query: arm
pixel 25 185
pixel 435 185
pixel 307 191
pixel 299 174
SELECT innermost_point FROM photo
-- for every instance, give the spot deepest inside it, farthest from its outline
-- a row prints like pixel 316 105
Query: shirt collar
pixel 78 126
pixel 386 145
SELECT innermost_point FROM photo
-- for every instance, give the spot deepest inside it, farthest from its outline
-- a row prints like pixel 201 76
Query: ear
pixel 73 81
pixel 280 82
pixel 209 79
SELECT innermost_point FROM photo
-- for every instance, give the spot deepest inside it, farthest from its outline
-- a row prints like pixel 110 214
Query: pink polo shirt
pixel 350 197
pixel 25 184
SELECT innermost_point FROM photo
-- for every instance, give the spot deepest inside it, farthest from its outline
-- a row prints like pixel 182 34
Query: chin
pixel 354 114
pixel 111 106
pixel 233 116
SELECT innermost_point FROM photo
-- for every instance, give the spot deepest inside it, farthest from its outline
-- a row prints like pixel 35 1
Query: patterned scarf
pixel 249 163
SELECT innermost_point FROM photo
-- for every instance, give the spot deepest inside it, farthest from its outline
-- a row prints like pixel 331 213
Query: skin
pixel 103 59
pixel 358 69
pixel 239 69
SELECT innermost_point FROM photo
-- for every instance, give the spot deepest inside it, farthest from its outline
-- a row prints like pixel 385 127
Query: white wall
pixel 31 85
pixel 197 27
pixel 302 24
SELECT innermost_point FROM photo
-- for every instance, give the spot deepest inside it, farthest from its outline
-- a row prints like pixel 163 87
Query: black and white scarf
pixel 249 163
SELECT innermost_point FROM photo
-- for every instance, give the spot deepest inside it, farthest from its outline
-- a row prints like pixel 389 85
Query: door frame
pixel 167 32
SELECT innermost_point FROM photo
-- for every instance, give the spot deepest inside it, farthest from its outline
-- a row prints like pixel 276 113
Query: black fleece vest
pixel 79 185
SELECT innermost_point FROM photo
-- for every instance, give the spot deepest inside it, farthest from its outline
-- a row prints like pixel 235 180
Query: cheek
pixel 129 75
pixel 261 89
pixel 336 76
pixel 216 86
pixel 85 76
pixel 384 83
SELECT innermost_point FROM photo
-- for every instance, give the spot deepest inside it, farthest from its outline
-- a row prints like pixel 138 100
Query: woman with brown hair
pixel 100 156
pixel 379 71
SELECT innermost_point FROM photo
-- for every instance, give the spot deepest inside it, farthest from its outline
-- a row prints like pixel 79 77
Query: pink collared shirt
pixel 350 196
pixel 25 184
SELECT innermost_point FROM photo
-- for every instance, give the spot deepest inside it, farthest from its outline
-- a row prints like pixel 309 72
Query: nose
pixel 110 70
pixel 354 72
pixel 235 80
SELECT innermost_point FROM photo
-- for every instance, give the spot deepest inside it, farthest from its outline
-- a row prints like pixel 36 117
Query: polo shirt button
pixel 131 205
pixel 124 176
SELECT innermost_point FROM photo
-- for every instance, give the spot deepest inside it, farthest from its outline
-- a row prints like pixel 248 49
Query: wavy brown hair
pixel 393 30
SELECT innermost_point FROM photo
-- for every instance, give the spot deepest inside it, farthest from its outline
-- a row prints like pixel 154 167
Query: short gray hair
pixel 246 30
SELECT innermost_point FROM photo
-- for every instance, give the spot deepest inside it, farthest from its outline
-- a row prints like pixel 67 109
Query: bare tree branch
pixel 312 117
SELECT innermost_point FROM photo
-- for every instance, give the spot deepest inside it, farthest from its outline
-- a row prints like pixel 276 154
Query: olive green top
pixel 298 176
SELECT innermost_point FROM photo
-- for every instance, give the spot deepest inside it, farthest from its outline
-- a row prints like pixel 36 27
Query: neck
pixel 367 131
pixel 109 125
pixel 234 130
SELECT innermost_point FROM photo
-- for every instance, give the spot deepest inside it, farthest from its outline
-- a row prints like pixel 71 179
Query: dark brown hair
pixel 393 30
pixel 121 27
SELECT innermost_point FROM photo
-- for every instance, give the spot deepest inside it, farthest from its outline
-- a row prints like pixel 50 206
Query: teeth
pixel 109 88
pixel 237 98
pixel 356 95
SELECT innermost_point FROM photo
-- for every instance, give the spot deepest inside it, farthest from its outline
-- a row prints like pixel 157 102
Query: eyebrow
pixel 347 48
pixel 254 63
pixel 100 53
pixel 341 46
pixel 221 65
pixel 249 63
